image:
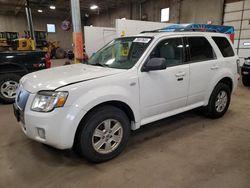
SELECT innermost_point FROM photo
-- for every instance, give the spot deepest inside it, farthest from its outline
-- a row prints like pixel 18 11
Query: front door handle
pixel 180 74
pixel 214 67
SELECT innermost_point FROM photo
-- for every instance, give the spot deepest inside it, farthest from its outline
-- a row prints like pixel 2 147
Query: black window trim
pixel 189 60
pixel 186 49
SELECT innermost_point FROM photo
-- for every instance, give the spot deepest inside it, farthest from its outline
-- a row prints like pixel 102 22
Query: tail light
pixel 48 60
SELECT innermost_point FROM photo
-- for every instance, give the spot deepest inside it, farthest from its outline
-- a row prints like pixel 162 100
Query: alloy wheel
pixel 107 136
pixel 8 89
pixel 221 101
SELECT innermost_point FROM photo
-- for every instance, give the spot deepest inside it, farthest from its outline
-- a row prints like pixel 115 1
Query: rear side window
pixel 200 49
pixel 224 46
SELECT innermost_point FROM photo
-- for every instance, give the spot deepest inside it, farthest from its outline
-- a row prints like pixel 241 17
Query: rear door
pixel 203 67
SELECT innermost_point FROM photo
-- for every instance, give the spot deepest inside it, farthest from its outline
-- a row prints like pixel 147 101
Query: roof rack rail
pixel 197 27
pixel 179 30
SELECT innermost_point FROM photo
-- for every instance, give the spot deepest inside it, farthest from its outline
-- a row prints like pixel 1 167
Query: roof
pixel 192 29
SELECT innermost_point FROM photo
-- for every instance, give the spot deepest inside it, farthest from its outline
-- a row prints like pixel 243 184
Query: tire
pixel 246 81
pixel 59 53
pixel 85 140
pixel 8 86
pixel 216 111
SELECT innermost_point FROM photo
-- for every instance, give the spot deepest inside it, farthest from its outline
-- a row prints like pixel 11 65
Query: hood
pixel 51 79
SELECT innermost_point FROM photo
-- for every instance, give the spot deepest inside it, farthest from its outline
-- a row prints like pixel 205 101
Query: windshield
pixel 122 53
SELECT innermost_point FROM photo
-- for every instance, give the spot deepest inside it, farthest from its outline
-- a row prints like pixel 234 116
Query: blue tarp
pixel 201 27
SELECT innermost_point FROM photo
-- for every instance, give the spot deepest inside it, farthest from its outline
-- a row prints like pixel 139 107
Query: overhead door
pixel 237 14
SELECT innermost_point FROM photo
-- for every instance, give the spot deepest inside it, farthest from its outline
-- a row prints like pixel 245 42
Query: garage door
pixel 237 14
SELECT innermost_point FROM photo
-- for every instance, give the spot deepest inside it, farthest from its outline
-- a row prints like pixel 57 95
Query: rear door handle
pixel 180 74
pixel 214 67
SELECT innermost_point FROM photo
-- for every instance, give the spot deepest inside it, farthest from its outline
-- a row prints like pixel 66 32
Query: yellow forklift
pixel 25 43
pixel 6 39
pixel 53 47
pixel 41 42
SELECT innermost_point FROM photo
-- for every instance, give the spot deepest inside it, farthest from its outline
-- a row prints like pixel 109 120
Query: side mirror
pixel 155 64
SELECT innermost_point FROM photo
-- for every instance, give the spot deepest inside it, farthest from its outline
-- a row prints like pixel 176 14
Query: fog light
pixel 41 133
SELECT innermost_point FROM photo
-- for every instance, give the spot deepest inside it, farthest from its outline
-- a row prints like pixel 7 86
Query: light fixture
pixel 40 10
pixel 93 7
pixel 165 15
pixel 52 7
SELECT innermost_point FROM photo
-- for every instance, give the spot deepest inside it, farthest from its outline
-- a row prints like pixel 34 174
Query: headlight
pixel 46 101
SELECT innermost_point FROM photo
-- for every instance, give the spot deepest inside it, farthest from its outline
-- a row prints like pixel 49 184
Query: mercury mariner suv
pixel 130 82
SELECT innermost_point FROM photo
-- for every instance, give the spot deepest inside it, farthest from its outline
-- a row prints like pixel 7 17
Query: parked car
pixel 245 72
pixel 14 65
pixel 130 82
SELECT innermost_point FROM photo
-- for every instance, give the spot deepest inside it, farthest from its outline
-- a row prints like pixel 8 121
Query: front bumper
pixel 56 128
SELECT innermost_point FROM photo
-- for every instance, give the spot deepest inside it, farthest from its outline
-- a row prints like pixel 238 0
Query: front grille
pixel 22 98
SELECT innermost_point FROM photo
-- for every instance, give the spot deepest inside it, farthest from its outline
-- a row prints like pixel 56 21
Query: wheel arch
pixel 228 81
pixel 9 67
pixel 224 79
pixel 116 103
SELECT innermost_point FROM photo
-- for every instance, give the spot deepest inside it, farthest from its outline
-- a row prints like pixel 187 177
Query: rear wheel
pixel 103 135
pixel 246 81
pixel 8 87
pixel 219 101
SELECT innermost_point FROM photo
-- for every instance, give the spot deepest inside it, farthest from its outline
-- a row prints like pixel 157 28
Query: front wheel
pixel 219 101
pixel 8 87
pixel 103 134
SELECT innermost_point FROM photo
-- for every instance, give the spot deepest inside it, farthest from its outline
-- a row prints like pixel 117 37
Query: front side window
pixel 122 53
pixel 224 46
pixel 200 49
pixel 170 49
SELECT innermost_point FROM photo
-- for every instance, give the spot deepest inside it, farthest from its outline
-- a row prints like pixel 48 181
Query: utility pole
pixel 30 24
pixel 77 31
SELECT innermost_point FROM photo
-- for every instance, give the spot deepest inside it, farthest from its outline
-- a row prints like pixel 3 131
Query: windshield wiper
pixel 101 65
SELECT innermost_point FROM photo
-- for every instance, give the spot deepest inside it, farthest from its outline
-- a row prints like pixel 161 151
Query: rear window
pixel 200 49
pixel 224 46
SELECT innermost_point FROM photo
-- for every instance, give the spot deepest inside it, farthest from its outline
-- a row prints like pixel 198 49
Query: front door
pixel 166 90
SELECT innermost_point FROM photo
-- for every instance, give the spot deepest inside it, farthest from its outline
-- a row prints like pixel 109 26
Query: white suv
pixel 130 82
